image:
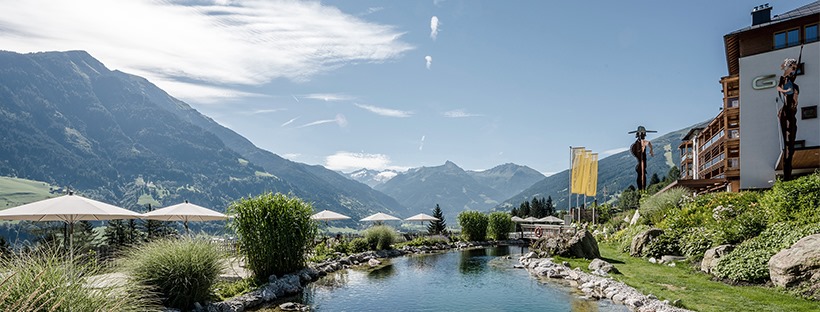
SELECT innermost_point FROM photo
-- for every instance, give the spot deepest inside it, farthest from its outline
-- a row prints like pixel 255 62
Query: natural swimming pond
pixel 471 280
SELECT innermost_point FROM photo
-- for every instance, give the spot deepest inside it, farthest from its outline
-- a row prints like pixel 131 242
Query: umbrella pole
pixel 71 242
pixel 185 223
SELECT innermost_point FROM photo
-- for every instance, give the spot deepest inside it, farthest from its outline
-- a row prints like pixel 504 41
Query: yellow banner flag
pixel 592 178
pixel 577 155
pixel 579 184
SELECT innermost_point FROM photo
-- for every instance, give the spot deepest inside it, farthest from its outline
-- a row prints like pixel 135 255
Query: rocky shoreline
pixel 293 283
pixel 597 285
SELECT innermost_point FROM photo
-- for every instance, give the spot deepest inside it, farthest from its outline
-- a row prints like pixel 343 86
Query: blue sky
pixel 384 84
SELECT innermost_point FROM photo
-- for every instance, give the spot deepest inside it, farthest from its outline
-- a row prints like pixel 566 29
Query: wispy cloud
pixel 613 151
pixel 210 44
pixel 339 120
pixel 295 98
pixel 385 111
pixel 371 10
pixel 289 122
pixel 329 97
pixel 438 2
pixel 429 60
pixel 291 156
pixel 421 144
pixel 266 111
pixel 347 161
pixel 459 113
pixel 434 27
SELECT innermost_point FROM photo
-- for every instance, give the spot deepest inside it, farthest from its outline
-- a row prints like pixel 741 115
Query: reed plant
pixel 275 232
pixel 473 225
pixel 180 271
pixel 44 280
pixel 380 237
pixel 500 224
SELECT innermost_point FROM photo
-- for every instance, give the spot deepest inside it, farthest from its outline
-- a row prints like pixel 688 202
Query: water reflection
pixel 581 305
pixel 472 261
pixel 499 251
pixel 334 280
pixel 423 262
pixel 382 272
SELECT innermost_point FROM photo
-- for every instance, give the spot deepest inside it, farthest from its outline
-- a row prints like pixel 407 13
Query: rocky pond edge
pixel 593 286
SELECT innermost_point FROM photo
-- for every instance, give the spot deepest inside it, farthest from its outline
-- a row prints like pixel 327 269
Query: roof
pixel 733 46
pixel 692 132
pixel 809 9
pixel 804 158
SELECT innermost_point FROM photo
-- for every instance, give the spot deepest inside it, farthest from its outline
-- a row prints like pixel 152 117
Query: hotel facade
pixel 742 148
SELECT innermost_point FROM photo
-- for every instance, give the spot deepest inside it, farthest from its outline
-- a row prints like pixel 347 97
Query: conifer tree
pixel 514 212
pixel 524 209
pixel 549 206
pixel 437 227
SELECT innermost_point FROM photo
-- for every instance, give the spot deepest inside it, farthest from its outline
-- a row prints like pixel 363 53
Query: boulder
pixel 640 241
pixel 601 265
pixel 580 245
pixel 635 218
pixel 713 255
pixel 374 262
pixel 797 264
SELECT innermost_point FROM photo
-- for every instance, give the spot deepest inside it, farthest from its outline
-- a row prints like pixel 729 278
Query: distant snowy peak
pixel 372 177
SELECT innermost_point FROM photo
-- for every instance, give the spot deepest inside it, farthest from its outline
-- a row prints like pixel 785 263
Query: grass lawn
pixel 15 192
pixel 696 290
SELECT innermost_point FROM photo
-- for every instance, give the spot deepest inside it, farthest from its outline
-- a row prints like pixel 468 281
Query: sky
pixel 401 84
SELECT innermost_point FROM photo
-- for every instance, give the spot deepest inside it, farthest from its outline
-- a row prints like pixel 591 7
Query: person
pixel 638 150
pixel 787 115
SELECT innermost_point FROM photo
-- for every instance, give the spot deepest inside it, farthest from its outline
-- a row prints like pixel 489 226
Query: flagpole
pixel 569 189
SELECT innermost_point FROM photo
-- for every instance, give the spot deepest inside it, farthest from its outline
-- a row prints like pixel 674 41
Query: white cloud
pixel 347 161
pixel 329 97
pixel 385 176
pixel 385 111
pixel 421 145
pixel 339 120
pixel 429 60
pixel 372 10
pixel 437 2
pixel 434 27
pixel 291 156
pixel 289 122
pixel 613 151
pixel 208 43
pixel 459 113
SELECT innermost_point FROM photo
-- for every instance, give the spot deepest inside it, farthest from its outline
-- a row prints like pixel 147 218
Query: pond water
pixel 472 280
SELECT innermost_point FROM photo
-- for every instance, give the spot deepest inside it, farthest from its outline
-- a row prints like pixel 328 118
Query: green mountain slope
pixel 68 120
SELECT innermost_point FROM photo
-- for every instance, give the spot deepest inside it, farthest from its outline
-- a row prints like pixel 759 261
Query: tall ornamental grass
pixel 275 232
pixel 500 225
pixel 44 280
pixel 380 237
pixel 473 225
pixel 180 271
pixel 655 208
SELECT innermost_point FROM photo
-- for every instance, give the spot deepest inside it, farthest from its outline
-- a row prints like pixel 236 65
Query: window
pixel 787 38
pixel 734 102
pixel 811 33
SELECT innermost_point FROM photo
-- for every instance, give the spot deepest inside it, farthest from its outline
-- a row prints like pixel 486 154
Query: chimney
pixel 761 14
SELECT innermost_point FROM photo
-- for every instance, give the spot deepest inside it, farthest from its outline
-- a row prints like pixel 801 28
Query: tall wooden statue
pixel 787 115
pixel 638 150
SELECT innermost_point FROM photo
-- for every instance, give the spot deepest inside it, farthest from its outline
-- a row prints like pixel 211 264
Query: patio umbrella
pixel 517 219
pixel 380 217
pixel 184 212
pixel 530 219
pixel 327 215
pixel 69 209
pixel 422 217
pixel 551 219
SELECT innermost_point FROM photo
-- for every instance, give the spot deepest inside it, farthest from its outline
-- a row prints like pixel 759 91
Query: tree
pixel 473 225
pixel 524 209
pixel 499 225
pixel 673 174
pixel 655 179
pixel 437 227
pixel 550 207
pixel 536 209
pixel 514 212
pixel 629 199
pixel 155 229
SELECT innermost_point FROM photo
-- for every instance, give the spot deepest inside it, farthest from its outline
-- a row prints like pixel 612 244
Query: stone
pixel 653 260
pixel 598 264
pixel 713 255
pixel 635 218
pixel 579 245
pixel 669 258
pixel 640 241
pixel 373 262
pixel 293 306
pixel 797 264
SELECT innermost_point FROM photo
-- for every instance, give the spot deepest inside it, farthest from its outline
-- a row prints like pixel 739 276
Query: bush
pixel 694 242
pixel 749 261
pixel 226 290
pixel 500 224
pixel 655 208
pixel 181 271
pixel 473 225
pixel 275 232
pixel 44 280
pixel 666 244
pixel 427 241
pixel 623 238
pixel 796 200
pixel 357 245
pixel 380 237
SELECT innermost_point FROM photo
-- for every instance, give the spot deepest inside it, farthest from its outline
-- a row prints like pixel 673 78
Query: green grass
pixel 696 290
pixel 16 192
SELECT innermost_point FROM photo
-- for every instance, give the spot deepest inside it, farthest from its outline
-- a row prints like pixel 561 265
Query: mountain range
pixel 68 120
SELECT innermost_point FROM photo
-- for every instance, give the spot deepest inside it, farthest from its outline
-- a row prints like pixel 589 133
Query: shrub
pixel 623 238
pixel 225 290
pixel 694 242
pixel 473 225
pixel 275 232
pixel 666 244
pixel 43 280
pixel 749 261
pixel 655 208
pixel 796 200
pixel 427 241
pixel 500 224
pixel 380 237
pixel 357 245
pixel 181 271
